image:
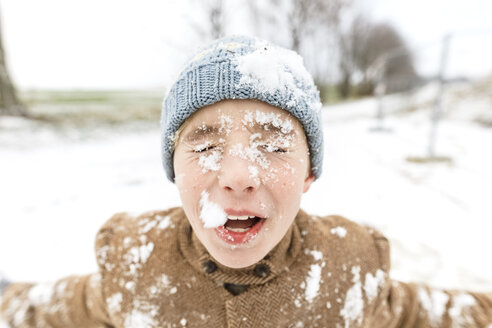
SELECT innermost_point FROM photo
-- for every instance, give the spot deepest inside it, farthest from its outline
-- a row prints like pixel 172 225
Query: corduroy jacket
pixel 325 272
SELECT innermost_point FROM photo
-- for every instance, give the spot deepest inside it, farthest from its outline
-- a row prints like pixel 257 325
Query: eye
pixel 203 148
pixel 272 149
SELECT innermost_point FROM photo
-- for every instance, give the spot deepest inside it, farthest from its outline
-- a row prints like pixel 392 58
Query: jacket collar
pixel 278 260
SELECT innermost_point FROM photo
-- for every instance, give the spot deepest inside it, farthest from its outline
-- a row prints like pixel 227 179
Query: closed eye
pixel 203 149
pixel 272 149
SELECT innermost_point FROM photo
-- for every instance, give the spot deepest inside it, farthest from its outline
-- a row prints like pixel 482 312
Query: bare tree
pixel 303 17
pixel 352 53
pixel 214 25
pixel 366 45
pixel 385 43
pixel 9 102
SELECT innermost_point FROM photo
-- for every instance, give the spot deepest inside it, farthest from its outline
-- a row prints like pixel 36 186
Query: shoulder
pixel 348 239
pixel 123 232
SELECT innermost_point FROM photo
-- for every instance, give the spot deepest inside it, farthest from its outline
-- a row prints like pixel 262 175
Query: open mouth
pixel 240 223
pixel 240 229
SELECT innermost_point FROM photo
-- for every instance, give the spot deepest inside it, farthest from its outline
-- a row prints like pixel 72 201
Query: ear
pixel 307 182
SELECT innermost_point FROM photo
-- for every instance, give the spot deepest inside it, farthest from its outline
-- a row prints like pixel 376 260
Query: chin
pixel 237 258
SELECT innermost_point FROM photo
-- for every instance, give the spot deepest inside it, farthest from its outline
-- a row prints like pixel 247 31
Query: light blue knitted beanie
pixel 240 67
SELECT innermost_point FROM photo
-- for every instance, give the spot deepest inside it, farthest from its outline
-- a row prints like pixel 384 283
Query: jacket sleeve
pixel 70 302
pixel 409 305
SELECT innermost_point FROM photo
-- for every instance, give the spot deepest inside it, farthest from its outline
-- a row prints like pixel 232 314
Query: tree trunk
pixel 344 86
pixel 9 102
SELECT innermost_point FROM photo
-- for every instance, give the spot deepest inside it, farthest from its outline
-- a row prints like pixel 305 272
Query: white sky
pixel 125 43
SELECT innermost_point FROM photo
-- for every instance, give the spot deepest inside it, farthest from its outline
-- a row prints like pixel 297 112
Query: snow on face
pixel 210 161
pixel 212 214
pixel 354 304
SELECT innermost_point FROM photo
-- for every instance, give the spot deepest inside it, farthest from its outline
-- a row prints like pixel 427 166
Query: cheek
pixel 289 175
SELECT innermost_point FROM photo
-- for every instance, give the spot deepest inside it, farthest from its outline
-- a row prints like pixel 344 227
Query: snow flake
pixel 210 161
pixel 147 226
pixel 41 293
pixel 354 304
pixel 372 284
pixel 164 222
pixel 459 312
pixel 114 303
pixel 434 304
pixel 317 255
pixel 312 282
pixel 139 319
pixel 339 231
pixel 139 254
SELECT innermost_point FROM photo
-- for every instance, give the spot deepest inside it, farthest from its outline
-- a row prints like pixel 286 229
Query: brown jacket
pixel 325 272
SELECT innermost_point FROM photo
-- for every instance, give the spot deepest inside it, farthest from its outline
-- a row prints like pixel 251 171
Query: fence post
pixel 436 112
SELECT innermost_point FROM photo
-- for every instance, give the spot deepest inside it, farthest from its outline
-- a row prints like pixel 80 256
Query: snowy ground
pixel 58 187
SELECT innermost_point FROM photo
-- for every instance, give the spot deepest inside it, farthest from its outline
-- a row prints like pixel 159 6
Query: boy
pixel 241 138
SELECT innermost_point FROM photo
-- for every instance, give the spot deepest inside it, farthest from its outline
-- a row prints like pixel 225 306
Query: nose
pixel 238 176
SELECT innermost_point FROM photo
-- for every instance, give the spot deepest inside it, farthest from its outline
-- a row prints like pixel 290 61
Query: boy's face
pixel 241 167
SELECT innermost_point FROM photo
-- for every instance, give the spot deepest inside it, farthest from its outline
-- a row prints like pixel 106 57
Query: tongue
pixel 243 224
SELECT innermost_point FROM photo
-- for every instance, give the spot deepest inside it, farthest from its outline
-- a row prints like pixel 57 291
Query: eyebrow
pixel 270 129
pixel 201 132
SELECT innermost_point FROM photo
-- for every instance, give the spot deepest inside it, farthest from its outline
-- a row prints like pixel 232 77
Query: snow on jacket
pixel 325 272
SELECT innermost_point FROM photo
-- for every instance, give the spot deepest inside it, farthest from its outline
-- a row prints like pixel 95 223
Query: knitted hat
pixel 240 67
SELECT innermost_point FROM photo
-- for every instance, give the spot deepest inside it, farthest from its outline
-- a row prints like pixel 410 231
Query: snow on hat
pixel 240 67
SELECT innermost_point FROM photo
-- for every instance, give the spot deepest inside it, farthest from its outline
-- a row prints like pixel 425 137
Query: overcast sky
pixel 133 44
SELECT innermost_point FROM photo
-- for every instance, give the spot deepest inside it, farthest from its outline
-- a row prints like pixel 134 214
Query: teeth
pixel 238 229
pixel 244 217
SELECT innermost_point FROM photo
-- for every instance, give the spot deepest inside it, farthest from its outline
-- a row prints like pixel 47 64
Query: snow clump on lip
pixel 211 213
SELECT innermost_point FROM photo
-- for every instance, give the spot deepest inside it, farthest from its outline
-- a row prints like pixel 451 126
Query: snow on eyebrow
pixel 269 69
pixel 339 231
pixel 225 124
pixel 312 282
pixel 212 214
pixel 434 304
pixel 275 120
pixel 354 304
pixel 372 284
